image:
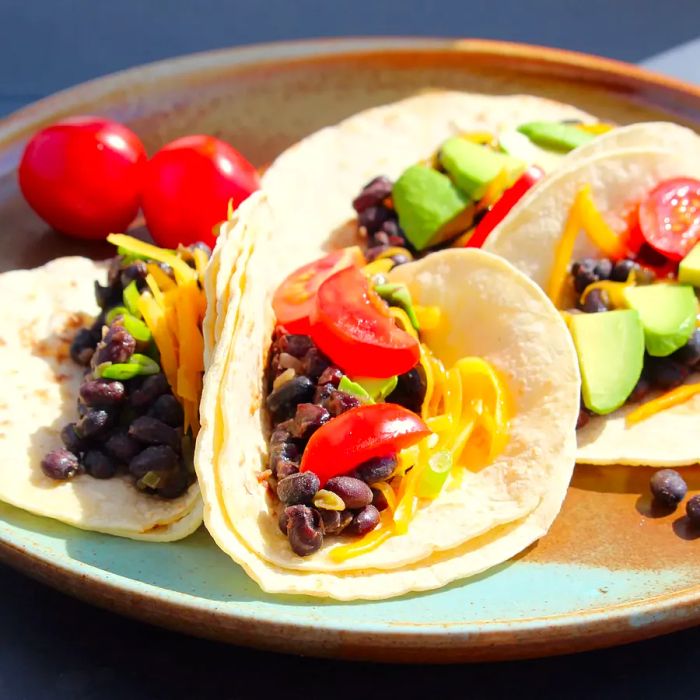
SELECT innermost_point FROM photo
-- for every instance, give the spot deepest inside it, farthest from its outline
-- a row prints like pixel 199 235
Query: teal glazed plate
pixel 607 573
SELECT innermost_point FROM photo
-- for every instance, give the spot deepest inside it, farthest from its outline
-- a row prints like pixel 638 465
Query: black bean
pixel 282 402
pixel 372 218
pixel 97 327
pixel 323 394
pixel 298 488
pixel 377 469
pixel 117 346
pixel 373 193
pixel 394 231
pixel 410 390
pixel 99 465
pixel 331 375
pixel 135 271
pixel 60 464
pixel 400 259
pixel 82 347
pixel 102 392
pixel 282 521
pixel 172 483
pixel 114 270
pixel 72 441
pixel 689 354
pixel 692 510
pixel 121 446
pixel 621 270
pixel 583 273
pixel 296 345
pixel 149 390
pixel 158 458
pixel 340 401
pixel 335 521
pixel 93 422
pixel 154 432
pixel 308 418
pixel 314 363
pixel 363 522
pixel 603 269
pixel 109 296
pixel 374 251
pixel 641 390
pixel 167 408
pixel 597 300
pixel 379 500
pixel 354 492
pixel 284 454
pixel 304 529
pixel 380 239
pixel 668 487
pixel 664 373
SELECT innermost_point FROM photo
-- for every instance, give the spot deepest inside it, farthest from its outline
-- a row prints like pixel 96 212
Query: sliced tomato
pixel 507 201
pixel 351 324
pixel 669 217
pixel 294 298
pixel 362 433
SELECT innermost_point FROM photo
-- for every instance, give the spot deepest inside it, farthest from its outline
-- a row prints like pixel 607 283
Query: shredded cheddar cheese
pixel 671 398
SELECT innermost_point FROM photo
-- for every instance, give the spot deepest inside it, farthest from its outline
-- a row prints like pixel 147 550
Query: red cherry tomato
pixel 83 176
pixel 506 202
pixel 362 433
pixel 352 325
pixel 669 217
pixel 295 297
pixel 188 185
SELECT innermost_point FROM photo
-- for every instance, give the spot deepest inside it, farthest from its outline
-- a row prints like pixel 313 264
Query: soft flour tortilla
pixel 528 238
pixel 496 513
pixel 41 310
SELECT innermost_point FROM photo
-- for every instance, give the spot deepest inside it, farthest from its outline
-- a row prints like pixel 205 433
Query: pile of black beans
pixel 378 220
pixel 131 427
pixel 302 396
pixel 668 489
pixel 659 373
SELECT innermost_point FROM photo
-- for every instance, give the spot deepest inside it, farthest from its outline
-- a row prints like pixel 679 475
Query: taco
pixel 101 390
pixel 612 240
pixel 373 469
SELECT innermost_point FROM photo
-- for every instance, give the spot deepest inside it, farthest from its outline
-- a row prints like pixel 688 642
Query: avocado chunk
pixel 689 269
pixel 667 312
pixel 378 389
pixel 349 387
pixel 610 347
pixel 396 294
pixel 555 135
pixel 429 206
pixel 473 167
pixel 519 146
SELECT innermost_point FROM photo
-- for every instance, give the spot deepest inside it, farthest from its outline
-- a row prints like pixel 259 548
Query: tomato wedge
pixel 351 324
pixel 362 433
pixel 294 298
pixel 507 201
pixel 669 217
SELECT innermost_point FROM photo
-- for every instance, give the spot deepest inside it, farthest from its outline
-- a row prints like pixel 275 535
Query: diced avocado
pixel 555 135
pixel 519 146
pixel 398 295
pixel 378 389
pixel 689 269
pixel 349 387
pixel 610 347
pixel 427 203
pixel 473 166
pixel 667 312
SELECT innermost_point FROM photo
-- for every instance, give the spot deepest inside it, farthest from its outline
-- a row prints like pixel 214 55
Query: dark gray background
pixel 54 647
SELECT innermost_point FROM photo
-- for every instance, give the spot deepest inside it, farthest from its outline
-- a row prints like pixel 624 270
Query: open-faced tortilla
pixel 529 236
pixel 42 309
pixel 493 515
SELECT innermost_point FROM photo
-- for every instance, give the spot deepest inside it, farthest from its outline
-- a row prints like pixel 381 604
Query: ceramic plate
pixel 607 573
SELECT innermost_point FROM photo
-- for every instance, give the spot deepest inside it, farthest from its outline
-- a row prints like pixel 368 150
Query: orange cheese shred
pixel 671 398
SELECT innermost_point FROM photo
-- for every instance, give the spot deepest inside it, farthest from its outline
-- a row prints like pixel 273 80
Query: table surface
pixel 54 646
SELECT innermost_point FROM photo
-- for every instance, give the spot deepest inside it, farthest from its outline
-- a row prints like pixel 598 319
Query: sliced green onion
pixel 137 328
pixel 116 311
pixel 349 387
pixel 435 475
pixel 328 500
pixel 131 296
pixel 138 365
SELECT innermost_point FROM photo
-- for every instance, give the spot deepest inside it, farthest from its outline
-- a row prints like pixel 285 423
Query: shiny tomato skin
pixel 82 175
pixel 294 300
pixel 669 217
pixel 503 206
pixel 187 188
pixel 362 433
pixel 352 325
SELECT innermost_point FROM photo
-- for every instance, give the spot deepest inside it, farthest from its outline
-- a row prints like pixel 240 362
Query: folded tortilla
pixel 41 310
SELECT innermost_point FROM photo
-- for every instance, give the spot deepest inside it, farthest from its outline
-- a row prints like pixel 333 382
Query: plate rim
pixel 618 623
